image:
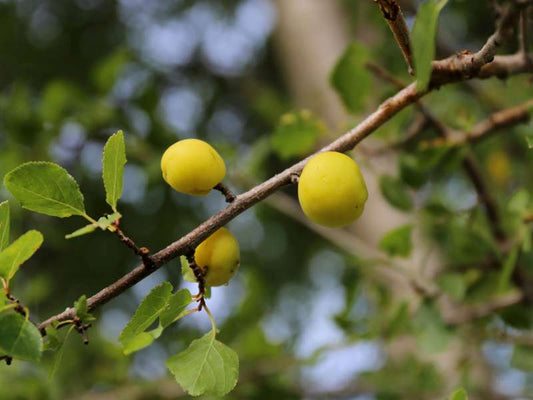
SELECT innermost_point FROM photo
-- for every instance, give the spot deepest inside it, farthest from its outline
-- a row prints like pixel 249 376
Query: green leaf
pixel 351 79
pixel 113 161
pixel 395 193
pixel 105 222
pixel 207 366
pixel 175 308
pixel 58 356
pixel 186 271
pixel 18 252
pixel 82 231
pixel 82 309
pixel 529 140
pixel 522 358
pixel 423 40
pixel 148 311
pixel 4 225
pixel 296 134
pixel 398 241
pixel 452 284
pixel 142 340
pixel 46 188
pixel 507 270
pixel 19 338
pixel 459 394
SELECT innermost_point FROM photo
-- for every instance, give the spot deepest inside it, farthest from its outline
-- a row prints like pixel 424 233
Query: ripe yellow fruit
pixel 220 255
pixel 192 166
pixel 332 190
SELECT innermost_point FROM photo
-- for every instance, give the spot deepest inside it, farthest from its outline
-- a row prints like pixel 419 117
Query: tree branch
pixel 392 12
pixel 446 72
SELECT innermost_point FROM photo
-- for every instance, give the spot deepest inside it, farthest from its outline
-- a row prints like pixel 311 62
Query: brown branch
pixel 348 141
pixel 524 34
pixel 142 252
pixel 528 219
pixel 466 313
pixel 392 12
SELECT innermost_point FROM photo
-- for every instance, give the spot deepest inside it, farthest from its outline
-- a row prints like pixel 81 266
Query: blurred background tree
pixel 313 313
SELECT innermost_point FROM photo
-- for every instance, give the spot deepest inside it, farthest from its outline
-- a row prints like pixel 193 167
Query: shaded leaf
pixel 113 161
pixel 207 366
pixel 395 193
pixel 19 338
pixel 4 225
pixel 46 188
pixel 296 134
pixel 452 284
pixel 423 40
pixel 522 358
pixel 350 78
pixel 18 252
pixel 58 356
pixel 398 241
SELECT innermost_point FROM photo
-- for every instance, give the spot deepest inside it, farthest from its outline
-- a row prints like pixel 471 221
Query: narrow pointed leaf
pixel 18 252
pixel 46 188
pixel 423 40
pixel 4 225
pixel 149 310
pixel 82 231
pixel 19 338
pixel 207 366
pixel 113 161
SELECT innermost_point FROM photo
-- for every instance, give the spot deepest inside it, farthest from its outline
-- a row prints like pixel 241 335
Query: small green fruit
pixel 220 255
pixel 192 166
pixel 332 190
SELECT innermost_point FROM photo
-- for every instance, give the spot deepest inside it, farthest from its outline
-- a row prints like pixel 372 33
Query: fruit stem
pixel 228 194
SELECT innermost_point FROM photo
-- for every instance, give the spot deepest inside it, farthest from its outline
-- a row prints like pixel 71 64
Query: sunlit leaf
pixel 18 252
pixel 207 366
pixel 46 188
pixel 113 161
pixel 19 338
pixel 82 231
pixel 147 312
pixel 82 309
pixel 175 307
pixel 459 394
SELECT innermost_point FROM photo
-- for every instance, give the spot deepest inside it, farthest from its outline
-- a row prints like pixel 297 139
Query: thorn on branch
pixel 228 194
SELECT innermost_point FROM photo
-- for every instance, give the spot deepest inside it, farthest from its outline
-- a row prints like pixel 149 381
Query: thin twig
pixel 444 74
pixel 392 12
pixel 142 252
pixel 228 194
